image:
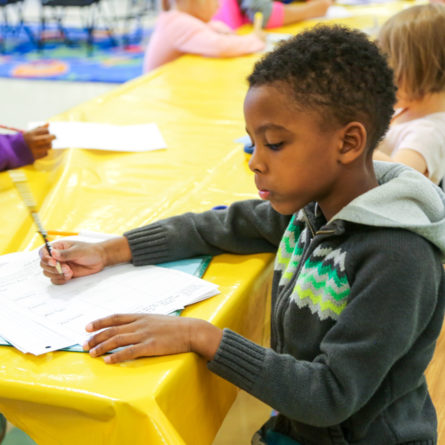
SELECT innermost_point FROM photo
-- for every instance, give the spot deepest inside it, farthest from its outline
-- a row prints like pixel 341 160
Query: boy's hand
pixel 144 335
pixel 79 259
pixel 39 141
pixel 76 259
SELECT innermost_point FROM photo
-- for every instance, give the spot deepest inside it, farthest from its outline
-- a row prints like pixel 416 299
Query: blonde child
pixel 355 314
pixel 414 41
pixel 185 26
pixel 236 13
pixel 24 147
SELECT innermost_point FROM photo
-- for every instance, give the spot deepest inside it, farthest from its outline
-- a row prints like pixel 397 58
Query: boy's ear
pixel 352 143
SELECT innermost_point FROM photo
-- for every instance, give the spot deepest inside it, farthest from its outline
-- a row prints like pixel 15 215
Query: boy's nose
pixel 254 162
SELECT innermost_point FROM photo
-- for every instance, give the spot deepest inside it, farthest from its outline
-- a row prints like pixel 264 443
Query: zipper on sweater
pixel 316 238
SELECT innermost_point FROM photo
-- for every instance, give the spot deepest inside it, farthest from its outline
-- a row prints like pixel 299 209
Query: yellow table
pixel 70 398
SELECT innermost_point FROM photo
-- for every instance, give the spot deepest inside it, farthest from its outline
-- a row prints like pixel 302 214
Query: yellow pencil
pixel 21 184
pixel 258 21
pixel 61 233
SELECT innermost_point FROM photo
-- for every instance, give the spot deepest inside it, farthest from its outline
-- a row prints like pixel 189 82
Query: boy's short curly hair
pixel 336 72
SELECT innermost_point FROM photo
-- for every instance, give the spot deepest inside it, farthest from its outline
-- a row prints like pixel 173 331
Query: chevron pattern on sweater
pixel 291 248
pixel 322 285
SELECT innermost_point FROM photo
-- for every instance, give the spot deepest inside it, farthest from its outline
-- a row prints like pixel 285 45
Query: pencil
pixel 7 127
pixel 258 21
pixel 61 233
pixel 21 184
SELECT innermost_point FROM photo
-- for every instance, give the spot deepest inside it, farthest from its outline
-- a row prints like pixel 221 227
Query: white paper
pixel 39 317
pixel 97 136
pixel 337 12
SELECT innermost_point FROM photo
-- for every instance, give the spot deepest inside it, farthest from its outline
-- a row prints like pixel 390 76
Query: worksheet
pixel 39 317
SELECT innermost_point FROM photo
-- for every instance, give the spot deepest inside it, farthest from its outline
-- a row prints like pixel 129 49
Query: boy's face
pixel 295 161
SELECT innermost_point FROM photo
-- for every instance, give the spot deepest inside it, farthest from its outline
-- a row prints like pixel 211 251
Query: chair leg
pixel 24 26
pixel 2 427
pixel 41 30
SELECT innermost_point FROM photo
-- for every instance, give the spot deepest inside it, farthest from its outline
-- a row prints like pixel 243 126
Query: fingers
pixel 40 152
pixel 43 140
pixel 40 145
pixel 120 334
pixel 112 320
pixel 116 340
pixel 48 263
pixel 50 271
pixel 67 251
pixel 126 354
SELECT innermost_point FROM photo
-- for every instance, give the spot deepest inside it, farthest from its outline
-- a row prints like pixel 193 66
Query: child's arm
pixel 408 157
pixel 220 27
pixel 421 147
pixel 392 319
pixel 14 152
pixel 245 227
pixel 412 159
pixel 193 36
pixel 298 12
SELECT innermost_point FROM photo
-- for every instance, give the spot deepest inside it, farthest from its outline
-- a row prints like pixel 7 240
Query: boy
pixel 359 290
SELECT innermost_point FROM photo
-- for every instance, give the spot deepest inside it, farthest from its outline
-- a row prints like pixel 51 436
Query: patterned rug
pixel 114 60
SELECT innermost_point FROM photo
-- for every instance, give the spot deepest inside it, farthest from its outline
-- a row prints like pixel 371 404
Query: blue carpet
pixel 57 60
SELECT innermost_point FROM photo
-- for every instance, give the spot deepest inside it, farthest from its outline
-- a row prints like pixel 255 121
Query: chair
pixel 7 26
pixel 89 10
pixel 2 427
pixel 127 17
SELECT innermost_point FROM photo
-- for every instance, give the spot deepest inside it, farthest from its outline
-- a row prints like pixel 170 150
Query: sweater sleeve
pixel 14 152
pixel 245 227
pixel 192 36
pixel 390 325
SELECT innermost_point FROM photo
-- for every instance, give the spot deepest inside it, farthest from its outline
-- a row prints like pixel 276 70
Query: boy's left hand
pixel 141 335
pixel 146 335
pixel 39 141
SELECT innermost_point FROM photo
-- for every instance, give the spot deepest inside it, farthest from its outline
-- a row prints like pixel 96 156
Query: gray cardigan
pixel 357 306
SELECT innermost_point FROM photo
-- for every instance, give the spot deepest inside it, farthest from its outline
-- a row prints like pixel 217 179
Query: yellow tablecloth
pixel 69 398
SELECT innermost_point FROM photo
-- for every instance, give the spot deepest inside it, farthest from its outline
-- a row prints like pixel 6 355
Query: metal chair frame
pixel 7 27
pixel 58 9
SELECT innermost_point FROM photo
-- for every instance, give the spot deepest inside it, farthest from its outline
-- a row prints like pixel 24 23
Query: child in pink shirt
pixel 235 13
pixel 185 26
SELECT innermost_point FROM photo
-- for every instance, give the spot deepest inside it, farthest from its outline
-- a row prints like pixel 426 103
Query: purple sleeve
pixel 14 152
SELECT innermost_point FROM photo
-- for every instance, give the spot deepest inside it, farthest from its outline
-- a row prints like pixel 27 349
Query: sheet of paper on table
pixel 98 136
pixel 39 317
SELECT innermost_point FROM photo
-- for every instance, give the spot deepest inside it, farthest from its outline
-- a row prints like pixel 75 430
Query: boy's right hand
pixel 77 259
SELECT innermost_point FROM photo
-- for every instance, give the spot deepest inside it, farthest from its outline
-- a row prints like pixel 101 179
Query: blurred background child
pixel 24 148
pixel 236 13
pixel 185 26
pixel 414 41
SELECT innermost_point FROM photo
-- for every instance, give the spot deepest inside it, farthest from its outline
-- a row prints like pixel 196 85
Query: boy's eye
pixel 274 147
